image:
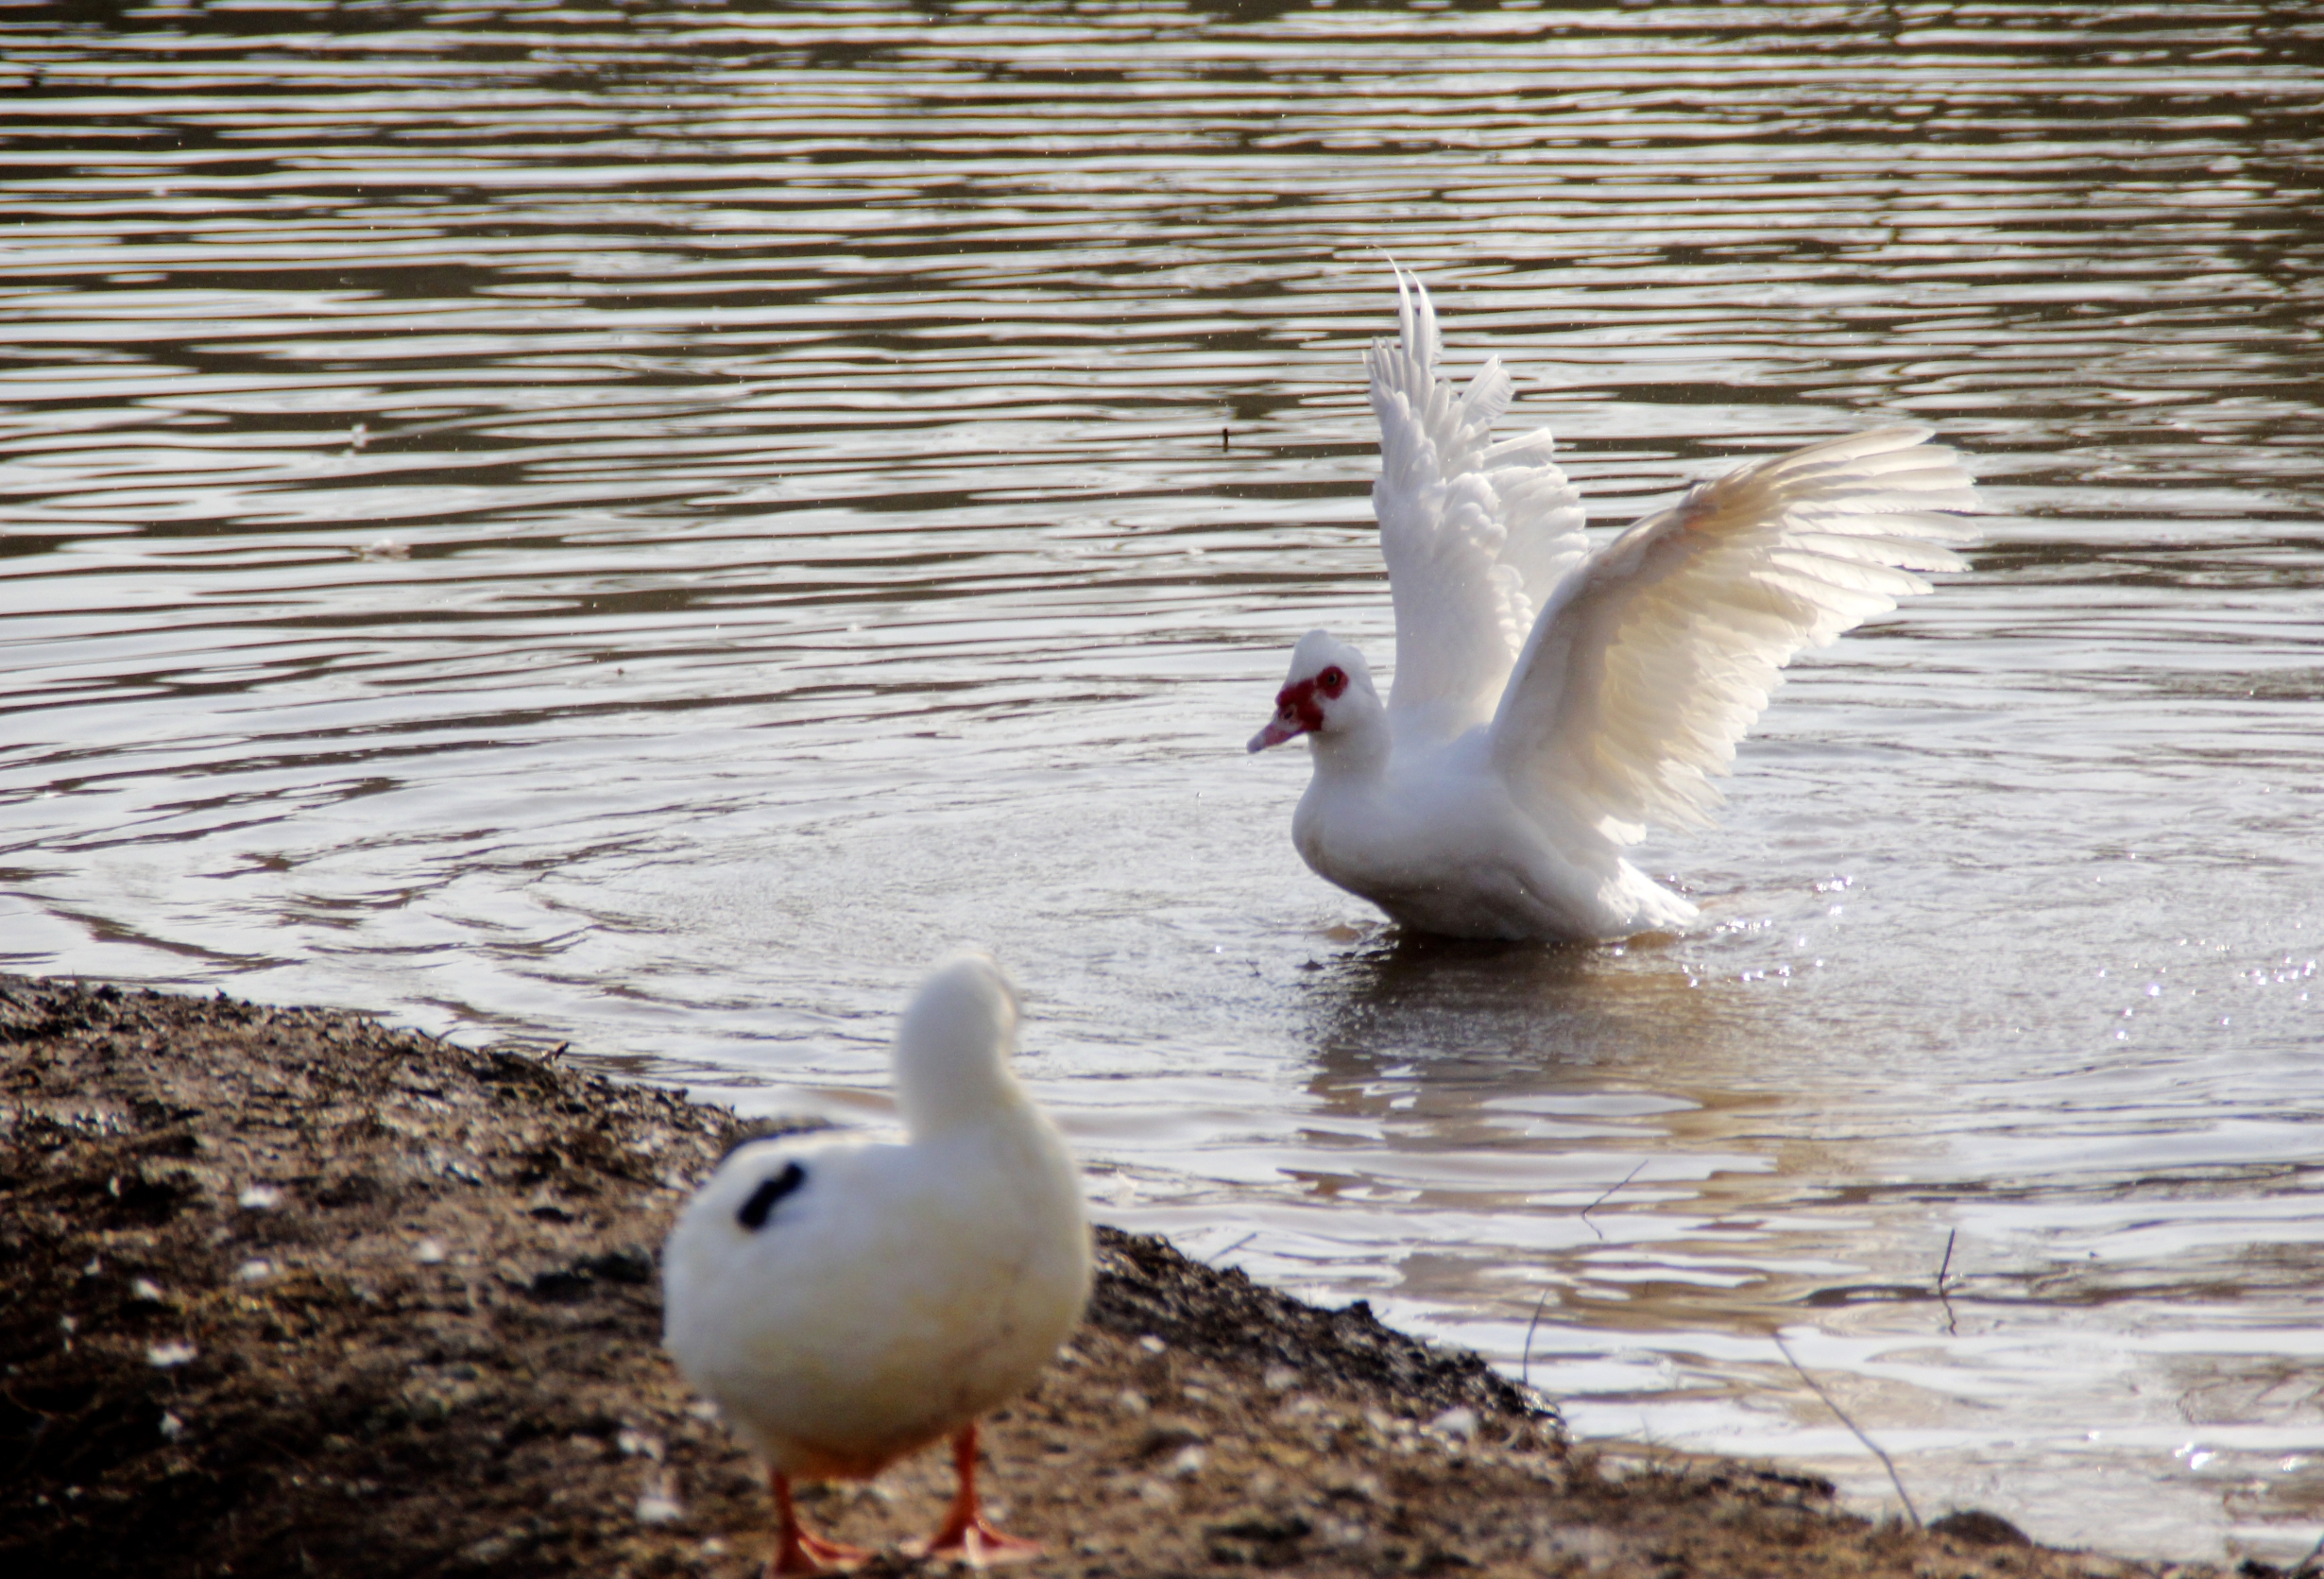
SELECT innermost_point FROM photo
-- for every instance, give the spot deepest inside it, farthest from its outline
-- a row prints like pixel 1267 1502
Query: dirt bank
pixel 287 1293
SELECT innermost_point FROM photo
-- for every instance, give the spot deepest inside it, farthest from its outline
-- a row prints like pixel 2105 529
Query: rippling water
pixel 638 526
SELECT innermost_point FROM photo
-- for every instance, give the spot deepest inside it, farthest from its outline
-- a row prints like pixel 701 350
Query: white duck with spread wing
pixel 1551 700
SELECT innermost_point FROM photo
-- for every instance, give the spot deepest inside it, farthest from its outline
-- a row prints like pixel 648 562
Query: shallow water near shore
pixel 641 527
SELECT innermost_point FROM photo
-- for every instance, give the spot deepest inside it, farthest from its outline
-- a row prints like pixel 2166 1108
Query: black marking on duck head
pixel 754 1211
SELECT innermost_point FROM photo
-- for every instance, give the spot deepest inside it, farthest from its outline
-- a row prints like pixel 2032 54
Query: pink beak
pixel 1278 729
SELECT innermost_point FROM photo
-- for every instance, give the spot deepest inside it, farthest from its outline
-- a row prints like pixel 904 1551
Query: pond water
pixel 640 526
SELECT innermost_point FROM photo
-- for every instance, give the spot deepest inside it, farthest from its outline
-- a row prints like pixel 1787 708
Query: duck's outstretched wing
pixel 1651 661
pixel 1477 535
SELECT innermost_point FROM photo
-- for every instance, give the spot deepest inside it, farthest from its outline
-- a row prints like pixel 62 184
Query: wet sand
pixel 291 1292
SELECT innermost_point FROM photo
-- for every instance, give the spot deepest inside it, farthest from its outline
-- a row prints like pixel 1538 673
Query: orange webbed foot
pixel 966 1535
pixel 976 1543
pixel 797 1552
pixel 805 1554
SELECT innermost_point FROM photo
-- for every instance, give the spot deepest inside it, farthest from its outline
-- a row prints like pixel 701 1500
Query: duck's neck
pixel 937 1097
pixel 1358 749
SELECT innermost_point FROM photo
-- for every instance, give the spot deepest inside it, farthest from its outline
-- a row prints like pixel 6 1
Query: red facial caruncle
pixel 1299 707
pixel 1299 701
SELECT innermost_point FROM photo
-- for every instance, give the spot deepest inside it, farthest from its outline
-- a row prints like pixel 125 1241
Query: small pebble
pixel 428 1252
pixel 658 1503
pixel 254 1271
pixel 1459 1421
pixel 259 1198
pixel 163 1356
pixel 1167 1435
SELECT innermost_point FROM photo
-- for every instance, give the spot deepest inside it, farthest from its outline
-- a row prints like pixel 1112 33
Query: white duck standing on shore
pixel 1551 701
pixel 846 1301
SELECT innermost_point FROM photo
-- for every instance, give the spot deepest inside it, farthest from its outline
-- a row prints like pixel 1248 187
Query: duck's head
pixel 952 1049
pixel 1327 692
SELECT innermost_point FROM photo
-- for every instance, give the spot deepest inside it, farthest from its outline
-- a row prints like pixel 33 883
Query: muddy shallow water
pixel 639 527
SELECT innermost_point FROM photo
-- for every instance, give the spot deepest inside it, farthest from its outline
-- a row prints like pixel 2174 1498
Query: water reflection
pixel 1502 1009
pixel 1579 1087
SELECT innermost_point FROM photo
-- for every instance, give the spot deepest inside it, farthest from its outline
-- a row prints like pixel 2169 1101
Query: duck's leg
pixel 966 1534
pixel 797 1551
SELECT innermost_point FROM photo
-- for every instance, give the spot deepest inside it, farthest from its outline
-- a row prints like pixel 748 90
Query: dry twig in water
pixel 1952 1325
pixel 1829 1402
pixel 1525 1360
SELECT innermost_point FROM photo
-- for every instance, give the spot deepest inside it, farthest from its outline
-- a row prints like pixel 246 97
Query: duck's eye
pixel 1333 681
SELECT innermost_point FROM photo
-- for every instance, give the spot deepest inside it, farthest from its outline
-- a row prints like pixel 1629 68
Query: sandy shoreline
pixel 290 1292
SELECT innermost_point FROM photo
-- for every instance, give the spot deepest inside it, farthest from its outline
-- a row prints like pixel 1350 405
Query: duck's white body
pixel 845 1301
pixel 1551 699
pixel 1436 837
pixel 933 1280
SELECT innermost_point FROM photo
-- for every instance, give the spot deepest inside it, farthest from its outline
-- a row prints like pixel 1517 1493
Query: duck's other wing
pixel 1477 535
pixel 1655 658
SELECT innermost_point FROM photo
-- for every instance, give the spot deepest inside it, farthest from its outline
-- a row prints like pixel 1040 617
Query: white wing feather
pixel 1652 661
pixel 1477 535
